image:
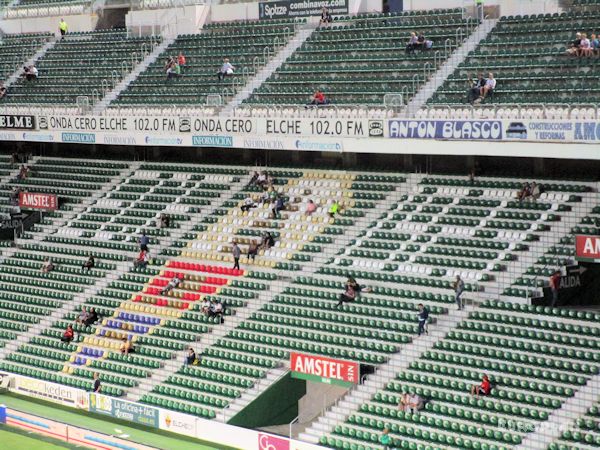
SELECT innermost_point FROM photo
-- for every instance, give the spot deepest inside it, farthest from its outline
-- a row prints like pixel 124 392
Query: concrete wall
pixel 182 20
pixel 81 22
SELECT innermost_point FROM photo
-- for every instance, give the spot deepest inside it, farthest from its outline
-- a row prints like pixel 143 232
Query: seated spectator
pixel 267 241
pixel 191 358
pixel 422 319
pixel 252 250
pixel 126 347
pixel 181 61
pixel 97 388
pixel 404 402
pixel 334 209
pixel 254 179
pixel 83 316
pixel 261 180
pixel 175 281
pixel 420 45
pixel 595 45
pixel 30 73
pixel 165 221
pixel 349 295
pixel 357 287
pixel 574 47
pixel 385 439
pixel 475 88
pixel 216 309
pixel 248 204
pixel 23 172
pixel 3 90
pixel 536 191
pixel 585 46
pixel 310 208
pixel 225 70
pixel 325 17
pixel 487 89
pixel 68 335
pixel 89 264
pixel 278 207
pixel 47 266
pixel 205 307
pixel 485 388
pixel 318 99
pixel 415 403
pixel 92 318
pixel 142 260
pixel 524 192
pixel 174 70
pixel 412 42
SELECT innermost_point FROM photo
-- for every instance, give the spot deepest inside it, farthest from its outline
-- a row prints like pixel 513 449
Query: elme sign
pixel 31 200
pixel 300 8
pixel 13 122
pixel 587 248
pixel 324 370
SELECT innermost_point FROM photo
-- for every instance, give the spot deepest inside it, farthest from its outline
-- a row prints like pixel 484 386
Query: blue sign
pixel 212 141
pixel 483 130
pixel 83 138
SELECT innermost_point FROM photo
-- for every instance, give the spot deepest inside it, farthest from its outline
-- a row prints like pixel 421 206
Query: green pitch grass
pixel 136 433
pixel 15 439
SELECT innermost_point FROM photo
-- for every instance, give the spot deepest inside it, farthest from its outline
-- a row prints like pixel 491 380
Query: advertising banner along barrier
pixel 300 8
pixel 587 248
pixel 32 200
pixel 122 409
pixel 324 370
pixel 52 392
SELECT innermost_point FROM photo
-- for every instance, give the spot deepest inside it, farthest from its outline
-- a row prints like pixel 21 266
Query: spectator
pixel 412 43
pixel 30 73
pixel 165 221
pixel 554 283
pixel 205 307
pixel 415 403
pixel 248 204
pixel 404 402
pixel 585 47
pixel 126 346
pixel 595 44
pixel 385 439
pixel 47 266
pixel 181 61
pixel 267 241
pixel 325 17
pixel 97 385
pixel 175 281
pixel 190 358
pixel 83 316
pixel 575 45
pixel 310 208
pixel 89 264
pixel 475 88
pixel 216 309
pixel 472 176
pixel 254 179
pixel 318 99
pixel 536 191
pixel 174 70
pixel 349 294
pixel 278 207
pixel 142 260
pixel 225 70
pixel 92 318
pixel 420 45
pixel 261 180
pixel 3 90
pixel 357 287
pixel 459 287
pixel 23 172
pixel 488 88
pixel 252 251
pixel 68 335
pixel 62 27
pixel 485 388
pixel 334 209
pixel 422 317
pixel 524 193
pixel 236 253
pixel 144 241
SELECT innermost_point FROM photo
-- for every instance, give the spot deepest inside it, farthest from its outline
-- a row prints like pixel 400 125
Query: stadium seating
pixel 584 436
pixel 15 50
pixel 360 59
pixel 81 64
pixel 246 44
pixel 527 55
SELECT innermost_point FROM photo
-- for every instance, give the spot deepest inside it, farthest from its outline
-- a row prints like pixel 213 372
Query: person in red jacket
pixel 318 99
pixel 485 388
pixel 68 335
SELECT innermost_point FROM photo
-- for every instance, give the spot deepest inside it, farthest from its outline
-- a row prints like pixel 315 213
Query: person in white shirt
pixel 489 86
pixel 226 69
pixel 176 281
pixel 248 204
pixel 415 403
pixel 205 307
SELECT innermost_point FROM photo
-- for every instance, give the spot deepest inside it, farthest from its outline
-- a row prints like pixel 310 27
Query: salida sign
pixel 587 248
pixel 324 370
pixel 30 200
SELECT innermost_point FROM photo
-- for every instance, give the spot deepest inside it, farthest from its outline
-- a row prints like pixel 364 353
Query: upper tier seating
pixel 360 59
pixel 527 55
pixel 18 48
pixel 244 43
pixel 80 64
pixel 585 435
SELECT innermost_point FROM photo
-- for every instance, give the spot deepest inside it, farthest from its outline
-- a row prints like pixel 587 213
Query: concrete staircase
pixel 143 65
pixel 261 76
pixel 457 57
pixel 400 361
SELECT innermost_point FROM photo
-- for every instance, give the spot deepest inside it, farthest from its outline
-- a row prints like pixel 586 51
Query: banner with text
pixel 587 248
pixel 52 392
pixel 125 410
pixel 32 200
pixel 324 370
pixel 300 8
